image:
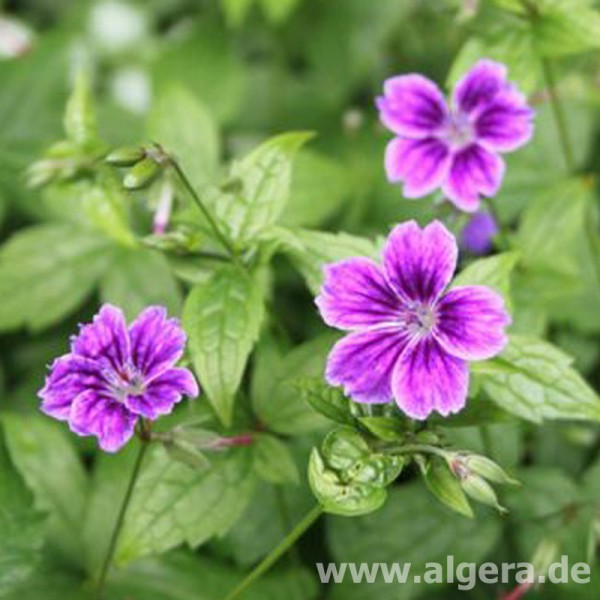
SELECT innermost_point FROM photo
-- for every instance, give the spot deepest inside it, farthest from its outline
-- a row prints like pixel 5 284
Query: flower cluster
pixel 454 148
pixel 114 375
pixel 410 340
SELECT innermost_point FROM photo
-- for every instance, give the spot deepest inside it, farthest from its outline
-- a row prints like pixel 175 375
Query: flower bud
pixel 545 554
pixel 142 174
pixel 125 157
pixel 480 490
pixel 488 469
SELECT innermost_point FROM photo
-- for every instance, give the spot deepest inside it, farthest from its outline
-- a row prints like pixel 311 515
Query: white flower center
pixel 127 381
pixel 458 131
pixel 419 319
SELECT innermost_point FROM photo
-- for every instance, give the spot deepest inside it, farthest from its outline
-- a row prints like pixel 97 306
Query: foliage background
pixel 211 80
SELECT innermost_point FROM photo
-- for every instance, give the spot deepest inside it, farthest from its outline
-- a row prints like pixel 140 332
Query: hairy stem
pixel 144 443
pixel 559 115
pixel 289 540
pixel 219 233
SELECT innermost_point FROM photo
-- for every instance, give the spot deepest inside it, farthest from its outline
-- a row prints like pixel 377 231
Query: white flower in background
pixel 117 26
pixel 131 89
pixel 15 38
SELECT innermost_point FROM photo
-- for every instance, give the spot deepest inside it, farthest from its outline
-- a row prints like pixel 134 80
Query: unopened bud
pixel 141 174
pixel 481 491
pixel 488 469
pixel 545 554
pixel 125 157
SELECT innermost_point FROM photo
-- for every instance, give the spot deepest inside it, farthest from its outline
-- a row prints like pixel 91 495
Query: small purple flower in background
pixel 115 375
pixel 478 234
pixel 454 148
pixel 409 340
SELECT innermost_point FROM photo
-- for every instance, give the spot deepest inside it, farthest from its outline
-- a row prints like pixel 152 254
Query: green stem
pixel 219 233
pixel 289 540
pixel 418 449
pixel 559 115
pixel 144 441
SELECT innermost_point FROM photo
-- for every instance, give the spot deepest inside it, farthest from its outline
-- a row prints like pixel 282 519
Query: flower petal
pixel 505 124
pixel 471 322
pixel 475 172
pixel 355 294
pixel 412 106
pixel 363 362
pixel 162 393
pixel 156 341
pixel 477 88
pixel 105 338
pixel 478 234
pixel 69 376
pixel 422 165
pixel 419 263
pixel 428 379
pixel 107 419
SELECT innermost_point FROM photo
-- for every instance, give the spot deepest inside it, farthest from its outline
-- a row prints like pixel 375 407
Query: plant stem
pixel 144 443
pixel 559 116
pixel 289 540
pixel 219 233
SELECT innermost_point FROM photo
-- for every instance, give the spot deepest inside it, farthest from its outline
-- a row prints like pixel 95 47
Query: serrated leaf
pixel 259 186
pixel 222 318
pixel 322 248
pixel 49 464
pixel 139 278
pixel 21 530
pixel 46 271
pixel 535 381
pixel 173 503
pixel 184 127
pixel 385 428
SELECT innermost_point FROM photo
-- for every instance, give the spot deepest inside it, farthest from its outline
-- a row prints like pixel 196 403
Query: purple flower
pixel 409 339
pixel 478 234
pixel 115 375
pixel 454 148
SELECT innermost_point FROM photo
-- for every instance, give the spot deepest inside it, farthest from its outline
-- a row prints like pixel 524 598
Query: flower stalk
pixel 144 444
pixel 290 539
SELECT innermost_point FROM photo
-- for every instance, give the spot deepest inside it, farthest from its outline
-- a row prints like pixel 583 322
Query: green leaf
pixel 494 271
pixel 329 401
pixel 236 11
pixel 222 318
pixel 535 381
pixel 273 461
pixel 446 488
pixel 173 503
pixel 276 399
pixel 415 527
pixel 385 428
pixel 43 453
pixel 46 271
pixel 278 11
pixel 319 187
pixel 565 27
pixel 139 278
pixel 206 60
pixel 322 248
pixel 183 576
pixel 258 187
pixel 184 127
pixel 104 206
pixel 21 530
pixel 80 117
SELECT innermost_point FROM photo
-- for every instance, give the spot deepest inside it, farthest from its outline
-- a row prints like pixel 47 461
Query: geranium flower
pixel 478 234
pixel 456 148
pixel 410 339
pixel 115 375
